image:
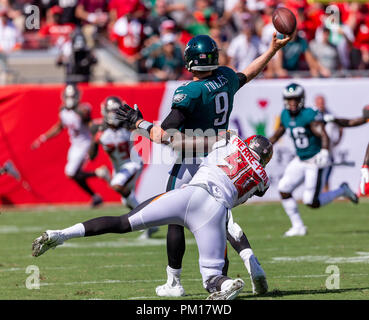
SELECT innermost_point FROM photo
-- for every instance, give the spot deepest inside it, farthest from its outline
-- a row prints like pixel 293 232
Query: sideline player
pixel 74 116
pixel 311 162
pixel 231 173
pixel 199 105
pixel 334 132
pixel 127 164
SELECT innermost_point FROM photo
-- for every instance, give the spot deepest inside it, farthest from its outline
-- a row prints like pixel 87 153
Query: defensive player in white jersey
pixel 116 140
pixel 232 173
pixel 75 117
pixel 334 132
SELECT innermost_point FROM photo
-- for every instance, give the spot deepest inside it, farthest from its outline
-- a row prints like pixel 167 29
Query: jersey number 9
pixel 221 108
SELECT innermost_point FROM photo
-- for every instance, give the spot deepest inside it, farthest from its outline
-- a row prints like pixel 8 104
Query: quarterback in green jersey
pixel 310 165
pixel 203 106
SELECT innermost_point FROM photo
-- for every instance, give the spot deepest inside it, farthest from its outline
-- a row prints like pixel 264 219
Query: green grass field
pixel 123 267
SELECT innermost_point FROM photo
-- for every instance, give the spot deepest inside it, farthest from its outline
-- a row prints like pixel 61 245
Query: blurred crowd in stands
pixel 151 34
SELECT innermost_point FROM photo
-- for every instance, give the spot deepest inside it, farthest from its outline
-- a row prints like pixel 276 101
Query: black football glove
pixel 128 115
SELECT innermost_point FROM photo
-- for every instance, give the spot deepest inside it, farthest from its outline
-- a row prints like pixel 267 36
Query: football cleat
pixel 147 233
pixel 103 173
pixel 48 240
pixel 230 293
pixel 349 194
pixel 296 231
pixel 96 200
pixel 257 276
pixel 168 290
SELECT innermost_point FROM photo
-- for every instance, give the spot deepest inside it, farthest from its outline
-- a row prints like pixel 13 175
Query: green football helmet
pixel 294 91
pixel 201 54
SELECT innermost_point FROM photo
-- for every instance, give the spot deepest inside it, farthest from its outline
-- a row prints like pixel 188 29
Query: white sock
pixel 327 197
pixel 76 231
pixel 245 255
pixel 174 276
pixel 290 206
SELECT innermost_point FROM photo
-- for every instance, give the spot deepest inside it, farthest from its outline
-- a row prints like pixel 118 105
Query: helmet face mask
pixel 294 98
pixel 108 108
pixel 261 147
pixel 71 96
pixel 201 54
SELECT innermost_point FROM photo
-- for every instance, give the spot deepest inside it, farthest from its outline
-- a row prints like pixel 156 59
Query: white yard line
pixel 362 257
pixel 78 267
pixel 15 229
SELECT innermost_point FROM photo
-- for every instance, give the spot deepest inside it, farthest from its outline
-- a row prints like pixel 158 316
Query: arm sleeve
pixel 174 120
pixel 242 79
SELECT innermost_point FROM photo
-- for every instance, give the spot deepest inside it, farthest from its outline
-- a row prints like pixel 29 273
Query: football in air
pixel 284 21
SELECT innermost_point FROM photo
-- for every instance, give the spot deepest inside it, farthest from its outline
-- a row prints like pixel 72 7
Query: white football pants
pixel 298 172
pixel 194 208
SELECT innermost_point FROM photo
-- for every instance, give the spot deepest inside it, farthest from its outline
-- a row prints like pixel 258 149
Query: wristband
pixel 365 166
pixel 145 125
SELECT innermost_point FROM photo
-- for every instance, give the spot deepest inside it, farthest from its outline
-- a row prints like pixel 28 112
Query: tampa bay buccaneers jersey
pixel 231 173
pixel 77 128
pixel 118 145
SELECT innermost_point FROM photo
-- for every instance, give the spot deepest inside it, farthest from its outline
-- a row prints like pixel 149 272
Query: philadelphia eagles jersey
pixel 306 143
pixel 207 103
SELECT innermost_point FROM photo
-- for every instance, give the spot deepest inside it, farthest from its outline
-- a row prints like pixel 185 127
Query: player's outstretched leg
pixel 343 191
pixel 93 227
pixel 50 239
pixel 316 200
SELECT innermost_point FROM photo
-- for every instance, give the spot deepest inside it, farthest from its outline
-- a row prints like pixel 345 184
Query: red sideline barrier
pixel 26 111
